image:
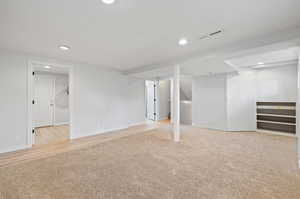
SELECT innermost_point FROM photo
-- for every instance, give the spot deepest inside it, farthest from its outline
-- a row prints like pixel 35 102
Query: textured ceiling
pixel 137 33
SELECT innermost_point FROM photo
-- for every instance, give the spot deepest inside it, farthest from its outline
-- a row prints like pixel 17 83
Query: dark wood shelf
pixel 276 116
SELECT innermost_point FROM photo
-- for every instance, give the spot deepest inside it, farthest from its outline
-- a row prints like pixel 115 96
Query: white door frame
pixel 298 110
pixel 30 96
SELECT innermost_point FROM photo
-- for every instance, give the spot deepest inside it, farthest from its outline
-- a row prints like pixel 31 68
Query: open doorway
pixel 158 100
pixel 50 104
pixel 151 95
pixel 164 101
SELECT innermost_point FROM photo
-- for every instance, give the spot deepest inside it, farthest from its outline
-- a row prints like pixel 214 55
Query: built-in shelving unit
pixel 276 116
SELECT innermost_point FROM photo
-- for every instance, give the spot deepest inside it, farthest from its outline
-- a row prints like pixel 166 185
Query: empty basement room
pixel 137 99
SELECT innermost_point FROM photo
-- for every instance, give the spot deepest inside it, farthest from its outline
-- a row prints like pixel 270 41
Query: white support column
pixel 176 104
pixel 298 110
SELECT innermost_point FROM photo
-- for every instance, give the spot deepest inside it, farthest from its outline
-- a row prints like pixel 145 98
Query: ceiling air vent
pixel 215 33
pixel 211 34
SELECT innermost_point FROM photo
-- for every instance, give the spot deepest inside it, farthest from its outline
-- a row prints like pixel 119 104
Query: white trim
pixel 71 99
pixel 275 133
pixel 201 126
pixel 137 124
pixel 163 118
pixel 16 148
pixel 61 123
pixel 156 101
pixel 53 100
pixel 30 125
pixel 297 110
pixel 98 132
pixel 273 64
pixel 176 104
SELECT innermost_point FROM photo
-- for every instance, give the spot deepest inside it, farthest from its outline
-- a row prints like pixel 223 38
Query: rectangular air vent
pixel 210 34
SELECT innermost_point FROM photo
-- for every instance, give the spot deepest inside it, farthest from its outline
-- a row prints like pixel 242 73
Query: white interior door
pixel 44 103
pixel 151 100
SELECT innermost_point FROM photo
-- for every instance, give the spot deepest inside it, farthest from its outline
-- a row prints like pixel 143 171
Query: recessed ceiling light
pixel 64 48
pixel 108 1
pixel 47 67
pixel 260 63
pixel 183 42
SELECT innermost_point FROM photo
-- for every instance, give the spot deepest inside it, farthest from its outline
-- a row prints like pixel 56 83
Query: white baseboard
pixel 138 123
pixel 163 118
pixel 275 133
pixel 22 147
pixel 204 127
pixel 98 132
pixel 16 148
pixel 61 123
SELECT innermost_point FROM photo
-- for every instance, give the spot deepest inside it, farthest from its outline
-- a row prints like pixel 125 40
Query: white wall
pixel 241 101
pixel 136 97
pixel 13 102
pixel 164 100
pixel 186 88
pixel 186 85
pixel 186 112
pixel 209 102
pixel 102 101
pixel 277 84
pixel 238 93
pixel 265 84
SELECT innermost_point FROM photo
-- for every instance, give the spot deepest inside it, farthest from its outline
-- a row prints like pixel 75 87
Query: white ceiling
pixel 136 33
pixel 200 66
pixel 192 67
pixel 197 66
pixel 273 57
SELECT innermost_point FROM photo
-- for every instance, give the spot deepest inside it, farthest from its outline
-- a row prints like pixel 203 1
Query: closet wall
pixel 209 102
pixel 228 102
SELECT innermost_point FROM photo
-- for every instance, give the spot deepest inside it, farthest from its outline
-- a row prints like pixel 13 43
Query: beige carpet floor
pixel 206 164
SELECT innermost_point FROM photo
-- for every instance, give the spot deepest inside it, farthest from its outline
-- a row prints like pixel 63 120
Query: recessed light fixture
pixel 64 47
pixel 108 1
pixel 47 67
pixel 260 63
pixel 183 42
